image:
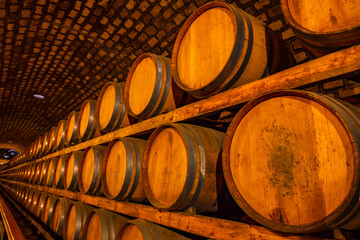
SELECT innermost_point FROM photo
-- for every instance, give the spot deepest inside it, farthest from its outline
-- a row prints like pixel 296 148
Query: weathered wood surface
pixel 209 227
pixel 329 66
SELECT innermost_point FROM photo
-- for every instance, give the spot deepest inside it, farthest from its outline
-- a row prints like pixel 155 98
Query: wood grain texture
pixel 60 135
pixel 75 219
pixel 102 224
pixel 219 47
pixel 291 161
pixel 139 229
pixel 325 16
pixel 325 26
pixel 87 125
pixel 214 228
pixel 71 129
pixel 90 170
pixel 179 167
pixel 148 88
pixel 110 113
pixel 71 179
pixel 121 175
pixel 332 65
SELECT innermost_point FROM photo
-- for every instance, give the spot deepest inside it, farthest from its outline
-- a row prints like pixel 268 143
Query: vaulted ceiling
pixel 67 50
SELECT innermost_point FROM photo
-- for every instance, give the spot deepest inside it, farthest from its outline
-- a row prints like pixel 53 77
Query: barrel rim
pixel 161 87
pixel 51 198
pixel 73 139
pixel 60 183
pixel 96 184
pixel 75 176
pixel 61 143
pixel 228 69
pixel 308 32
pixel 333 219
pixel 106 221
pixel 182 200
pixel 92 125
pixel 116 118
pixel 51 142
pixel 127 189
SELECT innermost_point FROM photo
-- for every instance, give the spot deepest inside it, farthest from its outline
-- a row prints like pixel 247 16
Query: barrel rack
pixel 336 65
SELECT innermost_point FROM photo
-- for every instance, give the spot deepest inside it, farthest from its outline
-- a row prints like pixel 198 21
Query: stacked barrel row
pixel 289 158
pixel 76 220
pixel 240 49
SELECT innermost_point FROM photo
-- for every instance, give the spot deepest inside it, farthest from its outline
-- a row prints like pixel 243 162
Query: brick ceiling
pixel 66 50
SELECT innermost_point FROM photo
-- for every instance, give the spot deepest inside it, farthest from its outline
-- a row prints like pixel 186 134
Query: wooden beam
pixel 45 233
pixel 209 227
pixel 332 65
pixel 12 228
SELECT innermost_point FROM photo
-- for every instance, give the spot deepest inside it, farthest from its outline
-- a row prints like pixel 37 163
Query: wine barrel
pixel 87 126
pixel 41 174
pixel 102 224
pixel 179 167
pixel 121 175
pixel 59 170
pixel 33 173
pixel 148 89
pixel 110 113
pixel 31 151
pixel 58 215
pixel 60 135
pixel 26 200
pixel 139 229
pixel 291 162
pixel 33 201
pixel 38 147
pixel 90 170
pixel 71 181
pixel 37 173
pixel 48 209
pixel 38 209
pixel 44 143
pixel 74 221
pixel 324 26
pixel 71 129
pixel 221 47
pixel 49 172
pixel 50 147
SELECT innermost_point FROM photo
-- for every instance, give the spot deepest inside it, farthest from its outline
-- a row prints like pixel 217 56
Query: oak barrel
pixel 148 89
pixel 179 167
pixel 33 201
pixel 139 229
pixel 44 143
pixel 87 126
pixel 102 224
pixel 38 209
pixel 51 141
pixel 71 180
pixel 324 26
pixel 110 113
pixel 90 170
pixel 121 175
pixel 38 147
pixel 48 209
pixel 40 174
pixel 59 170
pixel 291 161
pixel 50 165
pixel 74 221
pixel 71 129
pixel 58 215
pixel 60 135
pixel 221 47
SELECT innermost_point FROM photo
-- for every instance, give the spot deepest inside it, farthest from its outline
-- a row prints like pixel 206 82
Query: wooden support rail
pixel 12 229
pixel 44 232
pixel 332 65
pixel 209 227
